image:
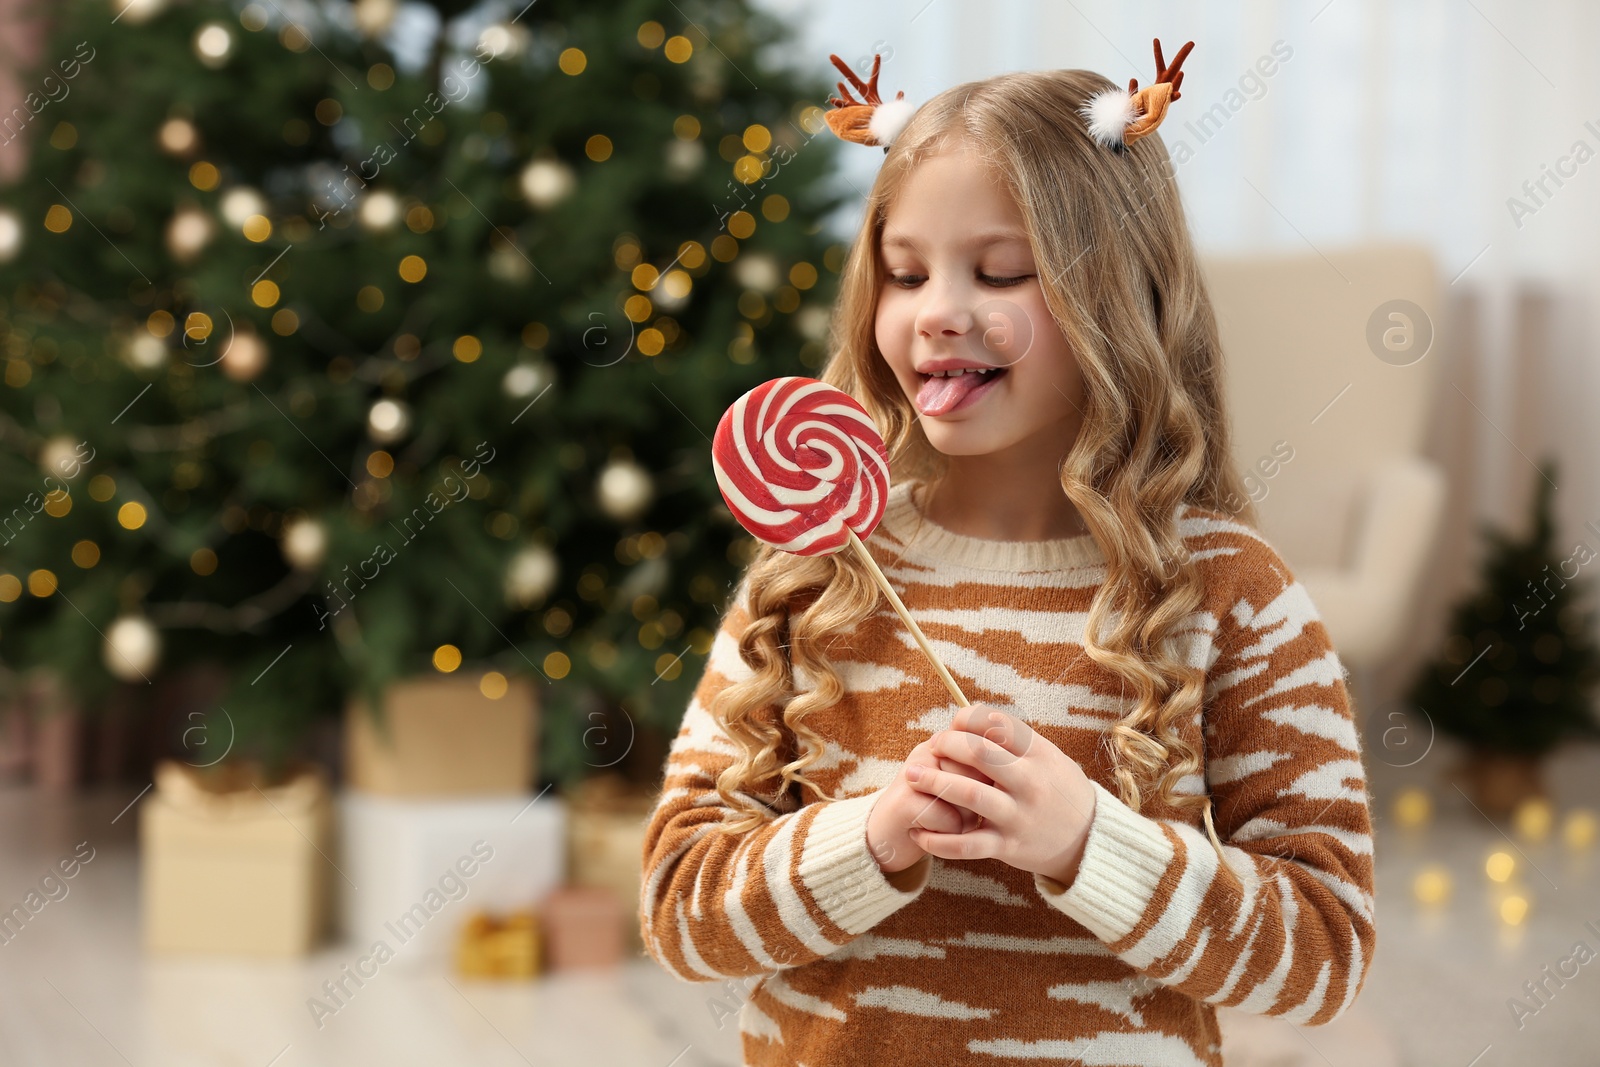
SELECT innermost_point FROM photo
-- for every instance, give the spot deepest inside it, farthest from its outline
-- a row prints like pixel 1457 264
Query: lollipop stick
pixel 911 624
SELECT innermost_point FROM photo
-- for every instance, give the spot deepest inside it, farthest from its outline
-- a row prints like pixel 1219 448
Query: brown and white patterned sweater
pixel 836 964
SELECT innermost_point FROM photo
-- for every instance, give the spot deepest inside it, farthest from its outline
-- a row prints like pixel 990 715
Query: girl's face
pixel 961 291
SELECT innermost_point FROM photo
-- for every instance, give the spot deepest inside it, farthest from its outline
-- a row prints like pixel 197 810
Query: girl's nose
pixel 944 309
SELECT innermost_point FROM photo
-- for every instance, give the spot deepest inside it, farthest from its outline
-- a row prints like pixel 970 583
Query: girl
pixel 1034 878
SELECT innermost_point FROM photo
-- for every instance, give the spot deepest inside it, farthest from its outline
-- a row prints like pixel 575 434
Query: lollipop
pixel 803 468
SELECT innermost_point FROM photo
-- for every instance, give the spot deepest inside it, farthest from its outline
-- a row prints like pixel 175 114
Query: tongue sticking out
pixel 939 395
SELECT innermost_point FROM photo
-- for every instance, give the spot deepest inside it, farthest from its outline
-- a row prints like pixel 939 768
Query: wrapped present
pixel 58 731
pixel 426 864
pixel 233 863
pixel 583 927
pixel 607 817
pixel 442 736
pixel 491 947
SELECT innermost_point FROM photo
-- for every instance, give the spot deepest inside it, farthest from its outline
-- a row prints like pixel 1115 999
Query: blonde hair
pixel 1122 281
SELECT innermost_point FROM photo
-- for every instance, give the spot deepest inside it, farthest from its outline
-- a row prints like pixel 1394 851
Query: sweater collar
pixel 923 539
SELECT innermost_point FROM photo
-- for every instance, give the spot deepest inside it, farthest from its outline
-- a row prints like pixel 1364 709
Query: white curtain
pixel 1470 125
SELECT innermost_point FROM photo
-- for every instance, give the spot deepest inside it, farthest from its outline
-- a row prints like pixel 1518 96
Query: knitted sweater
pixel 829 962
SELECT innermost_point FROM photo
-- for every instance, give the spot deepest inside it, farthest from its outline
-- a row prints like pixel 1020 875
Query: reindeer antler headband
pixel 870 120
pixel 1115 118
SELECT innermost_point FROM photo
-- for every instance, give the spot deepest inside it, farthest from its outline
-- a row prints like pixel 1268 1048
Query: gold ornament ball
pixel 503 39
pixel 388 421
pixel 305 544
pixel 10 235
pixel 509 265
pixel 241 202
pixel 684 158
pixel 188 233
pixel 130 12
pixel 373 17
pixel 132 648
pixel 60 457
pixel 245 357
pixel 527 380
pixel 380 210
pixel 178 136
pixel 531 576
pixel 625 490
pixel 212 43
pixel 757 270
pixel 145 352
pixel 546 182
pixel 812 322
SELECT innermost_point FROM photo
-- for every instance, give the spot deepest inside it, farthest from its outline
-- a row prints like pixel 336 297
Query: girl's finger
pixel 1009 732
pixel 943 817
pixel 957 789
pixel 978 752
pixel 973 845
pixel 957 767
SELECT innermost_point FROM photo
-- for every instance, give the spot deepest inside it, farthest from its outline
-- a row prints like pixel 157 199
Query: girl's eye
pixel 999 283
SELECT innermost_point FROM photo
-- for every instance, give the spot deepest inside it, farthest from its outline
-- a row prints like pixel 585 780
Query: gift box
pixel 442 736
pixel 584 927
pixel 424 867
pixel 58 731
pixel 491 947
pixel 608 818
pixel 233 864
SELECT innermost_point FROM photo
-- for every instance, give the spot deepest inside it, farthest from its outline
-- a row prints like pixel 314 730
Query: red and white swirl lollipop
pixel 801 465
pixel 803 468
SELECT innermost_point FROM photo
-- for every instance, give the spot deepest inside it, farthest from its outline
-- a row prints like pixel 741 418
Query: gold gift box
pixel 491 947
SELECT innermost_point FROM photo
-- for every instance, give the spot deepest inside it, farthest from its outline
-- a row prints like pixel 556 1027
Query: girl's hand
pixel 901 808
pixel 1036 807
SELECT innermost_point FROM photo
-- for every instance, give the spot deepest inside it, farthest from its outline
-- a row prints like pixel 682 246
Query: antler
pixel 867 89
pixel 1165 73
pixel 851 118
pixel 1152 100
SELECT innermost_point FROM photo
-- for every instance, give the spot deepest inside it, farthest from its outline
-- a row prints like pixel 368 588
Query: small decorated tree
pixel 1514 677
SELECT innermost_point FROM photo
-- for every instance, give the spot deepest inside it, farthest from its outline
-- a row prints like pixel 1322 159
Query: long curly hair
pixel 1122 281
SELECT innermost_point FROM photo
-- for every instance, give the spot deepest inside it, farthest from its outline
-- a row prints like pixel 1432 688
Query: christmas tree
pixel 1517 669
pixel 348 342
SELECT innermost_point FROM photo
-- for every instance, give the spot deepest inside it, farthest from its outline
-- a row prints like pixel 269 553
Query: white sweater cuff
pixel 1123 861
pixel 841 873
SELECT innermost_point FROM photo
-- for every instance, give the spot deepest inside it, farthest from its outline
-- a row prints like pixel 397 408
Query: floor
pixel 76 989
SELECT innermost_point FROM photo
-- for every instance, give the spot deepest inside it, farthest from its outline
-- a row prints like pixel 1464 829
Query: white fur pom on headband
pixel 1110 113
pixel 1117 119
pixel 889 118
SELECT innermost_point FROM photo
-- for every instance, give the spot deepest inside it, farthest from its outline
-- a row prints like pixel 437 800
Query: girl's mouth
pixel 940 395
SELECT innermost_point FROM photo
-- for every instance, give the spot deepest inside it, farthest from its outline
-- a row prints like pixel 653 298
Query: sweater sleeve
pixel 1287 927
pixel 792 890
